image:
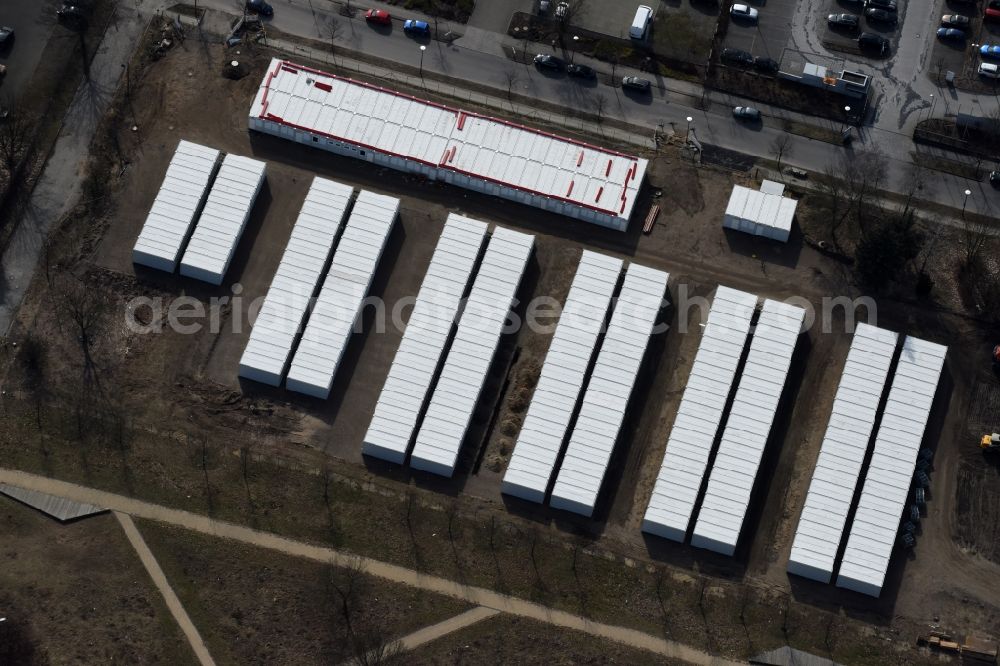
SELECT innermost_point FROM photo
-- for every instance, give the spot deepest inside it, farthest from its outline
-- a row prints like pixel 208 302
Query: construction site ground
pixel 170 422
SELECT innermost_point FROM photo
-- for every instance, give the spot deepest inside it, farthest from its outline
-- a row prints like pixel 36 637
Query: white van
pixel 640 23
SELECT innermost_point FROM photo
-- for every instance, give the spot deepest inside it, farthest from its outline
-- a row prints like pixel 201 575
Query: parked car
pixel 995 178
pixel 3 70
pixel 546 61
pixel 737 57
pixel 990 51
pixel 955 21
pixel 581 72
pixel 562 9
pixel 6 35
pixel 843 21
pixel 992 11
pixel 746 113
pixel 73 16
pixel 887 5
pixel 873 42
pixel 989 70
pixel 769 65
pixel 378 16
pixel 543 7
pixel 745 12
pixel 880 15
pixel 260 7
pixel 419 28
pixel 950 33
pixel 635 83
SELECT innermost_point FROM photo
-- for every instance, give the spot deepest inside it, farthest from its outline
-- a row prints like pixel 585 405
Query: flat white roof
pixel 461 381
pixel 762 207
pixel 280 318
pixel 890 472
pixel 562 377
pixel 447 138
pixel 748 427
pixel 699 414
pixel 172 214
pixel 831 491
pixel 606 399
pixel 427 333
pixel 331 322
pixel 223 219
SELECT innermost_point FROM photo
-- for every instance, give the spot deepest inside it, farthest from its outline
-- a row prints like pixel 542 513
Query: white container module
pixel 223 219
pixel 890 472
pixel 172 215
pixel 562 377
pixel 730 484
pixel 835 478
pixel 343 294
pixel 700 414
pixel 431 323
pixel 476 340
pixel 279 322
pixel 606 399
pixel 766 212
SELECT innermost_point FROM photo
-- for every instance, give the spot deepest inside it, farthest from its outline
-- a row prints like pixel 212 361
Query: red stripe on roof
pixel 600 191
pixel 461 120
pixel 324 86
pixel 288 68
pixel 635 169
pixel 579 160
pixel 451 157
pixel 570 190
pixel 607 171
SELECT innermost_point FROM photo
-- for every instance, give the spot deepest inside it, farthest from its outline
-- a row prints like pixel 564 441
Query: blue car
pixel 421 28
pixel 988 51
pixel 950 33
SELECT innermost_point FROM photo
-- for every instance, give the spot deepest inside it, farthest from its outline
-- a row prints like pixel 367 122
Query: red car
pixel 379 16
pixel 992 12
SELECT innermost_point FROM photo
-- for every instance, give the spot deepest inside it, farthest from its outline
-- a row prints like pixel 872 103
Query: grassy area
pixel 960 169
pixel 506 639
pixel 813 132
pixel 254 606
pixel 81 593
pixel 683 35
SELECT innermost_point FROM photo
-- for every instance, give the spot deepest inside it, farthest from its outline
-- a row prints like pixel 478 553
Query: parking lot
pixel 845 39
pixel 770 34
pixel 962 56
pixel 22 53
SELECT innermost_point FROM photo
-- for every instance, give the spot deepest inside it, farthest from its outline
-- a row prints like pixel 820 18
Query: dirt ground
pixel 190 417
pixel 505 639
pixel 254 606
pixel 82 592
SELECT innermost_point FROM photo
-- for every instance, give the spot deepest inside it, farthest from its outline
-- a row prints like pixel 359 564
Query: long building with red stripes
pixel 470 150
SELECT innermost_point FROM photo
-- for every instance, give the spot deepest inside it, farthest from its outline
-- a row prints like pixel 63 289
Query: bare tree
pixel 15 136
pixel 373 647
pixel 600 103
pixel 975 235
pixel 335 29
pixel 85 308
pixel 511 77
pixel 348 583
pixel 781 147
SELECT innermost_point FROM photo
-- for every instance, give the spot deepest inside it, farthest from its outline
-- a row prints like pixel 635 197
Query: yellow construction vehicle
pixel 990 443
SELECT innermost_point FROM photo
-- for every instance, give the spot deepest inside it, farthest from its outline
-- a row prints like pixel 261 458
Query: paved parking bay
pixel 31 32
pixel 840 39
pixel 610 17
pixel 769 37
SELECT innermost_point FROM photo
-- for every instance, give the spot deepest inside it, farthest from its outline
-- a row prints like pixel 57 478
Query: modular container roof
pixel 451 139
pixel 831 491
pixel 461 381
pixel 890 472
pixel 748 427
pixel 173 212
pixel 606 399
pixel 699 414
pixel 279 322
pixel 427 333
pixel 331 322
pixel 223 219
pixel 562 377
pixel 763 208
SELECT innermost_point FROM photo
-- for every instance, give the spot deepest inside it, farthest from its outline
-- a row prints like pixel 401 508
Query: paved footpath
pixel 397 574
pixel 160 580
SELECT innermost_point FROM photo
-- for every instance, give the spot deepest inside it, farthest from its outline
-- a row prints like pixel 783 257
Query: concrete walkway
pixel 160 580
pixel 397 574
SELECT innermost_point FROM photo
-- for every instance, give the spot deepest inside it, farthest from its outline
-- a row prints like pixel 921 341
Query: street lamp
pixel 688 134
pixel 572 54
pixel 422 49
pixel 930 111
pixel 847 119
pixel 965 201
